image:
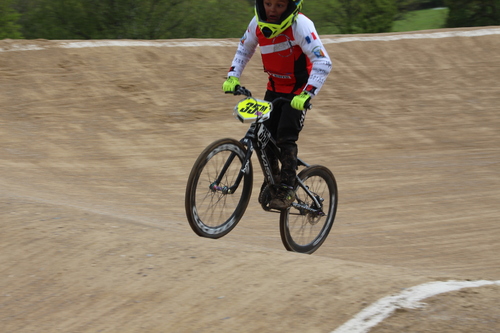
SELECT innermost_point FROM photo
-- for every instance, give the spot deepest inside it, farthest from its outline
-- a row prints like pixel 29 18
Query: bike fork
pixel 214 187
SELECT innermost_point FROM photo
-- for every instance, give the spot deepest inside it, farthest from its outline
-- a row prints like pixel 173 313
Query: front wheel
pixel 306 224
pixel 214 203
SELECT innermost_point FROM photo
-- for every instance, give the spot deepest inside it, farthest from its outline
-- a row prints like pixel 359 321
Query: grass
pixel 422 20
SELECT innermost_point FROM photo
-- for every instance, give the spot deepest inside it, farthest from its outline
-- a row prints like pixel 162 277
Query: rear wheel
pixel 306 224
pixel 213 207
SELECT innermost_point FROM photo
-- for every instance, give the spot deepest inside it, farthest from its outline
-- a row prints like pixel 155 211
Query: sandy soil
pixel 96 145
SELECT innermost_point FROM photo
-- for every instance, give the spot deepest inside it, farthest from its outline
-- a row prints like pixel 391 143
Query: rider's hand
pixel 231 84
pixel 300 102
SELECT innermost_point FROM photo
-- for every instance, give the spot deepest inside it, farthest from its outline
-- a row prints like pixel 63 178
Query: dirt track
pixel 96 145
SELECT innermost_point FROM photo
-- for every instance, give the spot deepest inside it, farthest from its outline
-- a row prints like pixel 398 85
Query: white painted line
pixel 232 43
pixel 430 35
pixel 119 43
pixel 21 48
pixel 410 298
pixel 165 43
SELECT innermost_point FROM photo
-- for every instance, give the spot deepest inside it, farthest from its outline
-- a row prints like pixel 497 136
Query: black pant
pixel 285 125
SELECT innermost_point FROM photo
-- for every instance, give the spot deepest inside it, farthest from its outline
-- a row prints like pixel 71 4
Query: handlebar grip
pixel 242 91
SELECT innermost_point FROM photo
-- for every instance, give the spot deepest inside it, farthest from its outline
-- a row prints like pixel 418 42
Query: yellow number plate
pixel 249 109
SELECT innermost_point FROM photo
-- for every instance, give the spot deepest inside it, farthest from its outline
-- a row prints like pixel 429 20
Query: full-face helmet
pixel 273 29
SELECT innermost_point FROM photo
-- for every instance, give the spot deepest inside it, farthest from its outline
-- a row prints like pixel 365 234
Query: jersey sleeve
pixel 246 49
pixel 307 38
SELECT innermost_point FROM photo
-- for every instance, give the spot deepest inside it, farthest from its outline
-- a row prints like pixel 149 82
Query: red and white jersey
pixel 295 60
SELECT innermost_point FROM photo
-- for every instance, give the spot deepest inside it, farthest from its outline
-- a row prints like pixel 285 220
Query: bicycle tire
pixel 304 231
pixel 212 213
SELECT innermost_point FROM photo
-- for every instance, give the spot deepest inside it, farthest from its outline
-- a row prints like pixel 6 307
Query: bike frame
pixel 258 138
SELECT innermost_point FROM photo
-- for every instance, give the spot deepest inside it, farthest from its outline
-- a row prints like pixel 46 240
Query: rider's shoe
pixel 283 198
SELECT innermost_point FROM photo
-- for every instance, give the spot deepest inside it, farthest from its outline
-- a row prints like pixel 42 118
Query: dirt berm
pixel 97 141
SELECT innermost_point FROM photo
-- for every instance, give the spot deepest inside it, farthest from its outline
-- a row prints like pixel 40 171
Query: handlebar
pixel 239 90
pixel 244 91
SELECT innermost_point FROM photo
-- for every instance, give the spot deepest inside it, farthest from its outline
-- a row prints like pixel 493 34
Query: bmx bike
pixel 219 186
